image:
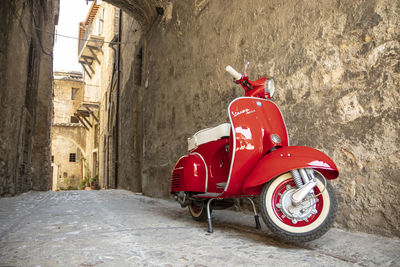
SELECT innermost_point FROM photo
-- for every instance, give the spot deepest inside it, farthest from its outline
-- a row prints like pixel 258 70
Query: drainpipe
pixel 118 93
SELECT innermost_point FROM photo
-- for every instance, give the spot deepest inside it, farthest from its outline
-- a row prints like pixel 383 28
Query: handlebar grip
pixel 233 72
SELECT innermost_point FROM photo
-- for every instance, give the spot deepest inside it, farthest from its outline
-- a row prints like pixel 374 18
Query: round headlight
pixel 276 138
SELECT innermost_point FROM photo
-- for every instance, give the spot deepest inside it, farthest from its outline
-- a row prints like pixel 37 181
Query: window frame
pixel 72 157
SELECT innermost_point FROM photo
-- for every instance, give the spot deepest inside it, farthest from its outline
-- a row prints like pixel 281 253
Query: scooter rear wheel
pixel 198 210
pixel 313 218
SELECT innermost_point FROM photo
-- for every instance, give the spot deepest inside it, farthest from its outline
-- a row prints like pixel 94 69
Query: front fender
pixel 288 158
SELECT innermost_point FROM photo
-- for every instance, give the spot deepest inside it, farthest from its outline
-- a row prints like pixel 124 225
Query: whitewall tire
pixel 313 218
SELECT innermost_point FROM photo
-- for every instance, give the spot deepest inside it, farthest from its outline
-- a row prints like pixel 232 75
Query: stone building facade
pixel 68 135
pixel 26 45
pixel 336 65
pixel 98 56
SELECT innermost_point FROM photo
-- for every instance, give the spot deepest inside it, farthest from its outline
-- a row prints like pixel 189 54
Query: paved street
pixel 119 228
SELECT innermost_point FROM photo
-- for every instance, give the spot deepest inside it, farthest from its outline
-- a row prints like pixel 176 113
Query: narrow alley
pixel 149 105
pixel 121 228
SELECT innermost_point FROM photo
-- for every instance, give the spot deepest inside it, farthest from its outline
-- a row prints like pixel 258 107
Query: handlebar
pixel 233 72
pixel 262 88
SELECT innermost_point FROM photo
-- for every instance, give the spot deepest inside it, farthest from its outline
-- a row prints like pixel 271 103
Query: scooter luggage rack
pixel 256 216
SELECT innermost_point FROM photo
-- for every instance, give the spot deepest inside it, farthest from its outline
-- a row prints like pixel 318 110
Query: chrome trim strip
pixel 234 145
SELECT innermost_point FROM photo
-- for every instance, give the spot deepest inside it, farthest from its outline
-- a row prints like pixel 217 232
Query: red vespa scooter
pixel 250 157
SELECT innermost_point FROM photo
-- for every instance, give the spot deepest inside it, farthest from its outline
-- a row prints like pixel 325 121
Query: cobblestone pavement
pixel 120 228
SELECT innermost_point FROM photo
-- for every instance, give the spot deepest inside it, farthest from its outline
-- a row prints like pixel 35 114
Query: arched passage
pixel 144 11
pixel 68 162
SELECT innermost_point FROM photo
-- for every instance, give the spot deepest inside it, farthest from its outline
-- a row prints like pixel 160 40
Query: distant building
pixel 97 54
pixel 68 134
pixel 111 52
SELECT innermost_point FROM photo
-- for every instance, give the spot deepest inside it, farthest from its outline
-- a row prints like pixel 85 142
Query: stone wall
pixel 26 46
pixel 336 64
pixel 130 121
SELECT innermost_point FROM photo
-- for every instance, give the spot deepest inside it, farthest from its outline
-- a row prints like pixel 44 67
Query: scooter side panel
pixel 288 158
pixel 216 156
pixel 189 174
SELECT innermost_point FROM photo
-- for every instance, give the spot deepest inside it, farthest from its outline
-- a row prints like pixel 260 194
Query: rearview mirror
pixel 270 86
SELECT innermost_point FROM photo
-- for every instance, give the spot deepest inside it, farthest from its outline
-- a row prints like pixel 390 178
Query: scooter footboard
pixel 189 174
pixel 288 158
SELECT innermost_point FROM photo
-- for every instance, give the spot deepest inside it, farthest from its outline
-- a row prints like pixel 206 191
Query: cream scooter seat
pixel 208 135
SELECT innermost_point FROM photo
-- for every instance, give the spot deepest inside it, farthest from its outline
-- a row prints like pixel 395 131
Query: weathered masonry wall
pixel 130 119
pixel 336 64
pixel 26 45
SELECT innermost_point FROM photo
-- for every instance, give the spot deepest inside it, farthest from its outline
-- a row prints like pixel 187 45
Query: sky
pixel 65 49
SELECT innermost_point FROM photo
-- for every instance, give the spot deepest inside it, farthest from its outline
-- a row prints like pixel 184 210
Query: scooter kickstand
pixel 256 217
pixel 210 228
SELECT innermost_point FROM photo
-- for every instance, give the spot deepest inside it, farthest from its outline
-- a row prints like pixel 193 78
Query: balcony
pixel 89 106
pixel 90 46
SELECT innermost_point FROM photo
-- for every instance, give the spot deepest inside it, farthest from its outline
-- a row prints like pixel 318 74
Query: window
pixel 52 158
pixel 73 93
pixel 72 157
pixel 74 119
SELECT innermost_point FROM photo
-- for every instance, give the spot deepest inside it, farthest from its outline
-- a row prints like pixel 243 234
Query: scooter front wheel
pixel 309 220
pixel 198 210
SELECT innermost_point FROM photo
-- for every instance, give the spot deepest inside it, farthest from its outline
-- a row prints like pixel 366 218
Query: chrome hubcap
pixel 301 212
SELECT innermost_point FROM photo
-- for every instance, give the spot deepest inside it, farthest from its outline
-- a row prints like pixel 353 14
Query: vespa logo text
pixel 247 111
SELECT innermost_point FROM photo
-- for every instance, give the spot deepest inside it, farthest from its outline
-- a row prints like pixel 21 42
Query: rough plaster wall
pixel 12 96
pixel 129 172
pixel 18 20
pixel 41 154
pixel 337 67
